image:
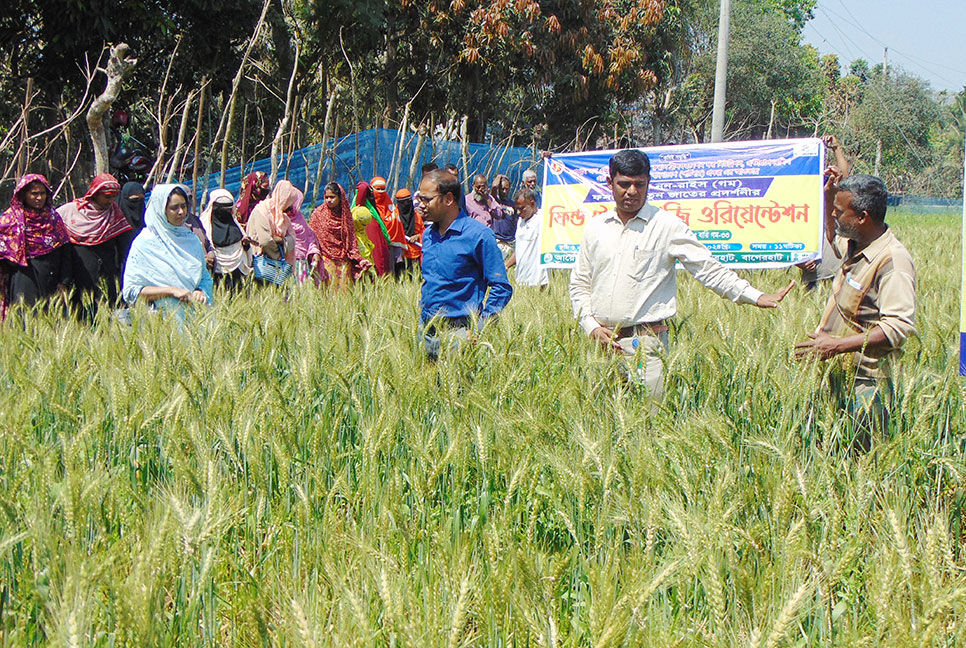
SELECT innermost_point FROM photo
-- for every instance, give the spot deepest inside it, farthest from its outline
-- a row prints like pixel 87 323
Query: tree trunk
pixel 771 120
pixel 118 67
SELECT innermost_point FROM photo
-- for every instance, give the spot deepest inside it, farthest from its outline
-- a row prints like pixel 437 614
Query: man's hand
pixel 831 142
pixel 198 297
pixel 771 300
pixel 807 266
pixel 833 176
pixel 605 337
pixel 821 345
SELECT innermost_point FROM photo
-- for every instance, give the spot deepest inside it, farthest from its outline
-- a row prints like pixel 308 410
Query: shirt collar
pixel 456 226
pixel 645 213
pixel 878 246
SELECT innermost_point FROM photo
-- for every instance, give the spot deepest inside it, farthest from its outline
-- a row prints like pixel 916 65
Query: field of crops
pixel 295 473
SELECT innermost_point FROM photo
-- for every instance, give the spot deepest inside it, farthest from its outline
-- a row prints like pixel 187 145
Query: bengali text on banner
pixel 754 204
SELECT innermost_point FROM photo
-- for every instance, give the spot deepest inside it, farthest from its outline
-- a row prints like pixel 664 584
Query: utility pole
pixel 878 144
pixel 721 73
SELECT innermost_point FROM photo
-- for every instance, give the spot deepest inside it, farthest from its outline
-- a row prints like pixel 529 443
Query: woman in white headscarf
pixel 166 267
pixel 233 256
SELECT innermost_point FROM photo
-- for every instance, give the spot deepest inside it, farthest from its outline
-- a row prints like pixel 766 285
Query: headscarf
pixel 384 206
pixel 337 236
pixel 131 202
pixel 375 230
pixel 306 242
pixel 251 195
pixel 405 211
pixel 221 226
pixel 380 196
pixel 283 197
pixel 87 223
pixel 163 254
pixel 361 219
pixel 25 233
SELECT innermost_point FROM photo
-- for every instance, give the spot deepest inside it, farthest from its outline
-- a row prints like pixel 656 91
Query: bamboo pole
pixel 198 125
pixel 417 155
pixel 23 157
pixel 224 125
pixel 375 150
pixel 333 93
pixel 465 152
pixel 396 165
pixel 355 97
pixel 280 132
pixel 291 135
pixel 179 147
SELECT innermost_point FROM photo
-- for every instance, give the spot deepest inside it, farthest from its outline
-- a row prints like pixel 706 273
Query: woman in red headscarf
pixel 398 245
pixel 101 236
pixel 35 257
pixel 333 225
pixel 254 190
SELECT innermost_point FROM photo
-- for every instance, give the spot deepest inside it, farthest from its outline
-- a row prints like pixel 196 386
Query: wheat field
pixel 291 471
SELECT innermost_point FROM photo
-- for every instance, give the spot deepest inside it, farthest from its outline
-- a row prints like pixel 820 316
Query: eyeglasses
pixel 424 200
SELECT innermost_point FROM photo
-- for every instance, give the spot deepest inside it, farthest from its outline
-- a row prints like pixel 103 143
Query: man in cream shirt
pixel 623 287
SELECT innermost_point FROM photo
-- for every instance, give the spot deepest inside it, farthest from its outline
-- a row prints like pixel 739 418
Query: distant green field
pixel 294 472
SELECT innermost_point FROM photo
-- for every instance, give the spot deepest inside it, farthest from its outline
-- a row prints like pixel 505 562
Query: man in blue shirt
pixel 460 262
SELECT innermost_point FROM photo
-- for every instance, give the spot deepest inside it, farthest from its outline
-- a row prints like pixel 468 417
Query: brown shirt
pixel 875 286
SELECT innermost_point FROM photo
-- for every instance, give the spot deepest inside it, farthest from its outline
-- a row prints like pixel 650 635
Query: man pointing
pixel 623 287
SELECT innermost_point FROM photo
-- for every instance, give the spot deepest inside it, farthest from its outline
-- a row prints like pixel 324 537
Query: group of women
pixel 160 253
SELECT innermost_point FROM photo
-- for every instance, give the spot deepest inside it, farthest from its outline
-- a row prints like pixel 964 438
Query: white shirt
pixel 625 273
pixel 526 247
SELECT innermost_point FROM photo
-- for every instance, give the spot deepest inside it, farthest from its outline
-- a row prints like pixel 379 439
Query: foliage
pixel 767 63
pixel 551 74
pixel 292 471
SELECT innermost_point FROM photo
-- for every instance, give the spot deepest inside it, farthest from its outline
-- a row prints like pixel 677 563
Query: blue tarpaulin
pixel 375 159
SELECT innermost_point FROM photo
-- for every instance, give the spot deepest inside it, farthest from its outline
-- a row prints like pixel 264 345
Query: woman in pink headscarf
pixel 308 253
pixel 101 236
pixel 270 225
pixel 35 259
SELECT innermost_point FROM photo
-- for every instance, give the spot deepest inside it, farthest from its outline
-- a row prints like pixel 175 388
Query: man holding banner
pixel 871 310
pixel 623 287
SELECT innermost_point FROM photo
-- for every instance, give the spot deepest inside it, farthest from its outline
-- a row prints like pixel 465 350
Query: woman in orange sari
pixel 395 231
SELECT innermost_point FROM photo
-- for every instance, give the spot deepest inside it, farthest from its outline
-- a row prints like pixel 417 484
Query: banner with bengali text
pixel 753 204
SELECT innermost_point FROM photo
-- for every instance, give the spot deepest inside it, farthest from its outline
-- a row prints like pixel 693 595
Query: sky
pixel 926 38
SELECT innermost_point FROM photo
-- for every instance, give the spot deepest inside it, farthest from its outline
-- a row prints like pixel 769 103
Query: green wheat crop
pixel 291 471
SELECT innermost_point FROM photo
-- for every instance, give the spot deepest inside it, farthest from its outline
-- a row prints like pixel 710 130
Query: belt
pixel 644 328
pixel 445 323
